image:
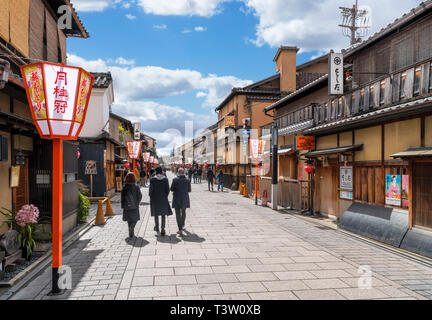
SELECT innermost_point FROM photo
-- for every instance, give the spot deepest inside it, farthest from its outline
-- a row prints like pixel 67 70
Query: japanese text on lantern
pixel 61 94
pixel 33 77
pixel 83 94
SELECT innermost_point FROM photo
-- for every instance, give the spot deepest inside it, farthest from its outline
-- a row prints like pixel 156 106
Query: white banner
pixel 336 74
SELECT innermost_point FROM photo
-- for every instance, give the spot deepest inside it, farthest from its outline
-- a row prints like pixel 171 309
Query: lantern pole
pixel 133 166
pixel 57 213
pixel 256 183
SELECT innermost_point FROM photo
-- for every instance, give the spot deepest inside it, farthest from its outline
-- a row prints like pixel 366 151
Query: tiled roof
pixel 102 79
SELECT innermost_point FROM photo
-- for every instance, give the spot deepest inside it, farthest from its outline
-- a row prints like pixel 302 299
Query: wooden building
pixel 373 144
pixel 29 33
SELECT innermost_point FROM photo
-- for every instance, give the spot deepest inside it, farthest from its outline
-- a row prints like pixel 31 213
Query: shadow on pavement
pixel 192 237
pixel 168 239
pixel 137 242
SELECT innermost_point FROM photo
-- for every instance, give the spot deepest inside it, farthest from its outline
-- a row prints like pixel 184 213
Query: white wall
pixel 97 113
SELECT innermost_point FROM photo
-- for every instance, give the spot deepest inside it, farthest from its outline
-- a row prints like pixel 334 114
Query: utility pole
pixel 355 23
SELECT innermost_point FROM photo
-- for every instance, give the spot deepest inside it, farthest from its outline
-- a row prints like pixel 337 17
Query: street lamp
pixel 58 96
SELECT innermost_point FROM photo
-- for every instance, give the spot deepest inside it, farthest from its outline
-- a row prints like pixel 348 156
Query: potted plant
pixel 24 222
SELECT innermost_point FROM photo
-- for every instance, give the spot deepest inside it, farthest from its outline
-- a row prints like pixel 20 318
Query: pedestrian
pixel 195 175
pixel 210 177
pixel 159 204
pixel 130 200
pixel 199 174
pixel 142 178
pixel 220 180
pixel 190 173
pixel 181 186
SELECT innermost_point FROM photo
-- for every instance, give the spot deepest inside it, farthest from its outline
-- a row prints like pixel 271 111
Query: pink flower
pixel 28 214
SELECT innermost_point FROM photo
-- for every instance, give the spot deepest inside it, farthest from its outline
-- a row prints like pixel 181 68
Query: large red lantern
pixel 126 165
pixel 134 151
pixel 58 96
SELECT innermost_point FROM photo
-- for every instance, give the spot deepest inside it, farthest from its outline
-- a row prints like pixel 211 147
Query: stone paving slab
pixel 232 250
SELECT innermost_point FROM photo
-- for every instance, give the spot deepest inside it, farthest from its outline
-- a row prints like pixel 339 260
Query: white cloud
pixel 202 8
pixel 123 61
pixel 186 31
pixel 200 29
pixel 313 25
pixel 136 88
pixel 130 16
pixel 160 26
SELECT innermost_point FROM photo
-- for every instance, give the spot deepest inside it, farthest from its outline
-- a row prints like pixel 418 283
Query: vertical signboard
pixel 336 74
pixel 137 130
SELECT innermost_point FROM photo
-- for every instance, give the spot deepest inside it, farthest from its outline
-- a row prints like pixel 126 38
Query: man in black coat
pixel 159 204
pixel 210 178
pixel 181 186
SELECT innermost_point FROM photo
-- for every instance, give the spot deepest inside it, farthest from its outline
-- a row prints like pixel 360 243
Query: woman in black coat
pixel 181 186
pixel 130 201
pixel 159 204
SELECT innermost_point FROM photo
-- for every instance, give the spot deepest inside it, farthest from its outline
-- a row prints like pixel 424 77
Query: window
pixel 333 111
pixel 402 86
pixel 371 97
pixel 417 79
pixel 382 92
pixel 362 100
pixel 340 107
pixel 353 98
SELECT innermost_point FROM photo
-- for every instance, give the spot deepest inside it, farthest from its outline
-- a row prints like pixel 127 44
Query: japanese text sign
pixel 346 178
pixel 134 149
pixel 336 74
pixel 58 96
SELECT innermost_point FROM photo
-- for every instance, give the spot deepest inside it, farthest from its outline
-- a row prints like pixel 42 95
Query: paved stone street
pixel 233 250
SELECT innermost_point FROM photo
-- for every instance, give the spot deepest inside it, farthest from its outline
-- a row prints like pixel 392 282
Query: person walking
pixel 189 173
pixel 130 200
pixel 210 178
pixel 199 174
pixel 159 204
pixel 181 186
pixel 220 179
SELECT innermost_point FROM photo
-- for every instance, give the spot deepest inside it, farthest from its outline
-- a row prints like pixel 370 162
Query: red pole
pixel 133 161
pixel 57 212
pixel 256 184
pixel 146 172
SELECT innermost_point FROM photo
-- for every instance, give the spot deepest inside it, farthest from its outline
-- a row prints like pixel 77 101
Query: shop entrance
pixel 422 195
pixel 326 190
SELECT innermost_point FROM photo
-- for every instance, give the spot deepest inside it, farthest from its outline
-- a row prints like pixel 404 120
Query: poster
pixel 393 190
pixel 347 195
pixel 405 191
pixel 346 178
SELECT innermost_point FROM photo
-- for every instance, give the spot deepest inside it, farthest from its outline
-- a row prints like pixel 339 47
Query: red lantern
pixel 78 154
pixel 126 165
pixel 58 96
pixel 309 167
pixel 206 164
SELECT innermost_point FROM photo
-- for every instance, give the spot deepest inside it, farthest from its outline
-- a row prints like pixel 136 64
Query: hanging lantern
pixel 58 96
pixel 126 165
pixel 309 168
pixel 78 154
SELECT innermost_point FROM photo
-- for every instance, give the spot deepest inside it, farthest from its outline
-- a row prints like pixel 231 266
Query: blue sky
pixel 176 60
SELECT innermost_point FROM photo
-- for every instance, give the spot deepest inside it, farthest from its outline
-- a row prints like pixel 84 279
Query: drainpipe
pixel 274 188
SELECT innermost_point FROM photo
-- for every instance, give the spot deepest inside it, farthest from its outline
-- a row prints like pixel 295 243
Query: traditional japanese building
pixel 29 32
pixel 373 154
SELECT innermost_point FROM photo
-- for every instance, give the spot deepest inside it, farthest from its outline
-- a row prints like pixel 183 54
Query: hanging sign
pixel 305 143
pixel 346 178
pixel 230 121
pixel 336 74
pixel 134 149
pixel 257 148
pixel 137 130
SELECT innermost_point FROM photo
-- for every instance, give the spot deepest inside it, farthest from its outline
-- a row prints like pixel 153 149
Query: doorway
pixel 422 197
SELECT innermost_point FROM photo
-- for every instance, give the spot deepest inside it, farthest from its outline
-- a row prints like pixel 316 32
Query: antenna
pixel 355 23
